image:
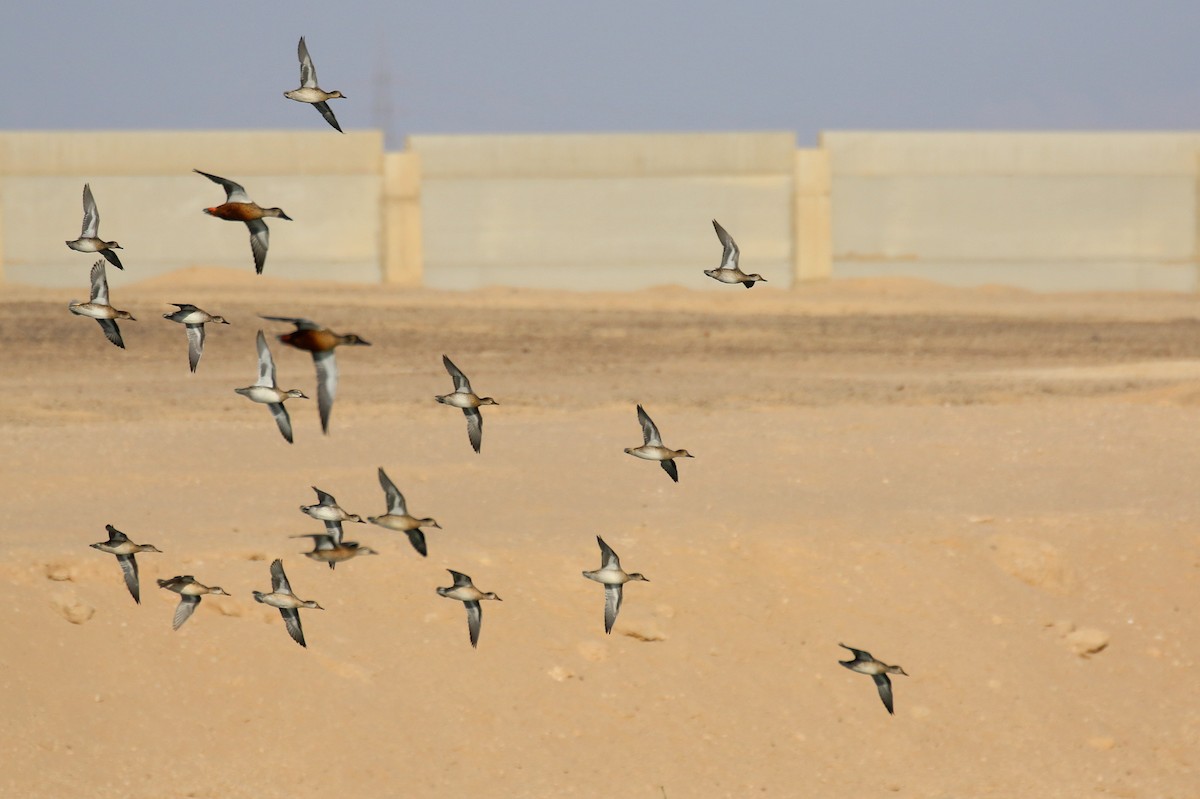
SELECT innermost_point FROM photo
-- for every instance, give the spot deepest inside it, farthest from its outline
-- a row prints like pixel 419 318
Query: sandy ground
pixel 999 491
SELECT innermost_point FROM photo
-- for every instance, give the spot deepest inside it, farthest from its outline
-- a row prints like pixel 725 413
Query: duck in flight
pixel 399 519
pixel 320 342
pixel 193 319
pixel 613 577
pixel 98 308
pixel 653 449
pixel 310 92
pixel 329 546
pixel 265 391
pixel 119 544
pixel 864 663
pixel 729 271
pixel 289 604
pixel 89 238
pixel 465 592
pixel 238 207
pixel 190 591
pixel 466 399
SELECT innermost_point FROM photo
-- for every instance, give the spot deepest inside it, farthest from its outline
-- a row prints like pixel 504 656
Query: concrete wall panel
pixel 590 233
pixel 1051 211
pixel 151 202
pixel 604 155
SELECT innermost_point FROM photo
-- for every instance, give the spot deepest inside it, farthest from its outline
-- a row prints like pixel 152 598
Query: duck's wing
pixel 474 427
pixel 301 324
pixel 234 193
pixel 729 256
pixel 460 580
pixel 266 364
pixel 608 558
pixel 112 332
pixel 324 499
pixel 320 540
pixel 129 568
pixel 612 605
pixel 282 419
pixel 308 73
pixel 279 580
pixel 461 384
pixel 474 620
pixel 115 536
pixel 291 620
pixel 99 283
pixel 327 381
pixel 111 255
pixel 327 112
pixel 649 430
pixel 395 500
pixel 859 654
pixel 260 239
pixel 184 610
pixel 884 684
pixel 417 539
pixel 333 528
pixel 195 337
pixel 91 216
pixel 670 468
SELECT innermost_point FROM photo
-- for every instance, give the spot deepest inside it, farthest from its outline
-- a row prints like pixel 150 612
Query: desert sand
pixel 997 490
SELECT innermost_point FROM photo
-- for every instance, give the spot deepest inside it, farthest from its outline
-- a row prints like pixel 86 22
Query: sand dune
pixel 994 489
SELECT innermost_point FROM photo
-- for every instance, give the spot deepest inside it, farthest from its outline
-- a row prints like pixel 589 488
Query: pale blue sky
pixel 514 66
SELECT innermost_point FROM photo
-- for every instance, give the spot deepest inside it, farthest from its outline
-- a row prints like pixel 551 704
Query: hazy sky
pixel 606 65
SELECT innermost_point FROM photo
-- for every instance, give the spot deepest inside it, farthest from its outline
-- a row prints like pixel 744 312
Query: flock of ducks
pixel 330 546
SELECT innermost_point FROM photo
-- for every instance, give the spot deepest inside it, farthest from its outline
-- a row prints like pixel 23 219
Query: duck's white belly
pixel 306 94
pixel 94 311
pixel 608 576
pixel 280 600
pixel 263 394
pixel 460 400
pixel 399 523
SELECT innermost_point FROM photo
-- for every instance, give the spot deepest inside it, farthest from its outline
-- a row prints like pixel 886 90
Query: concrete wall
pixel 603 211
pixel 151 202
pixel 1049 211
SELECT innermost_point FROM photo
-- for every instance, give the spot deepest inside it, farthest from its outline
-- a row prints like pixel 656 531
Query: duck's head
pixel 430 523
pixel 354 338
pixel 639 576
pixel 364 550
pixel 219 320
pixel 112 245
pixel 354 517
pixel 896 670
pixel 295 392
pixel 487 401
pixel 683 453
pixel 336 95
pixel 148 548
pixel 491 595
pixel 757 278
pixel 276 212
pixel 125 315
pixel 311 605
pixel 218 590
